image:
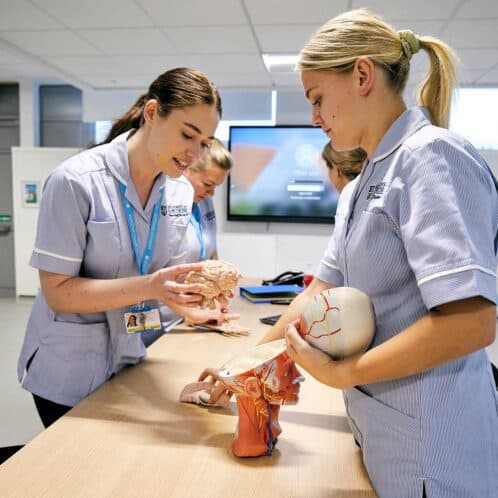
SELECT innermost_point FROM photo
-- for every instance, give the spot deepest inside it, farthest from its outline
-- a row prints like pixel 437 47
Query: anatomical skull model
pixel 263 379
pixel 217 277
pixel 339 321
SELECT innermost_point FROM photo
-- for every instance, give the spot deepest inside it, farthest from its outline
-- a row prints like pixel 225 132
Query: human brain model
pixel 339 321
pixel 217 277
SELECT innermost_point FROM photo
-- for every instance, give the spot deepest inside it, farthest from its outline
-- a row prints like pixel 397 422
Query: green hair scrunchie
pixel 410 42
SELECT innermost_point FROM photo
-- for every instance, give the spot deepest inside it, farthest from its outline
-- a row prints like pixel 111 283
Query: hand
pixel 218 315
pixel 319 364
pixel 219 389
pixel 166 288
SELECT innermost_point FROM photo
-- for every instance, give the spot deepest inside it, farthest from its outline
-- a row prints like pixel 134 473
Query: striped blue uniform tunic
pixel 419 228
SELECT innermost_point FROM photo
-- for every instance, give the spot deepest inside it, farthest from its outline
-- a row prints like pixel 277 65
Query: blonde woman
pixel 207 173
pixel 419 236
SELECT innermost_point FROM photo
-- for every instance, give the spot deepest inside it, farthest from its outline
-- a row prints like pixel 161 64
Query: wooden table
pixel 133 437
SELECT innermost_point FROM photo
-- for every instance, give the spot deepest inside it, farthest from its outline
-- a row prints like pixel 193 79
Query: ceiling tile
pixel 96 13
pixel 284 39
pixel 409 9
pixel 479 34
pixel 11 69
pixel 97 66
pixel 194 12
pixel 132 41
pixel 228 64
pixel 478 9
pixel 20 14
pixel 152 65
pixel 287 79
pixel 49 43
pixel 284 12
pixel 469 77
pixel 478 58
pixel 490 78
pixel 129 81
pixel 212 39
pixel 240 80
pixel 420 28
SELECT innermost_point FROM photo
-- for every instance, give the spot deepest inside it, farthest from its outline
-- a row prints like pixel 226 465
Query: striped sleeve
pixel 448 222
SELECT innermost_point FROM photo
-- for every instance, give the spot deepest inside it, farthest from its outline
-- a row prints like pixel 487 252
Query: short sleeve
pixel 448 222
pixel 328 269
pixel 61 233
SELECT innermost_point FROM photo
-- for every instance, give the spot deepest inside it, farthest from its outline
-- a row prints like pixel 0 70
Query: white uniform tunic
pixel 417 229
pixel 192 242
pixel 82 231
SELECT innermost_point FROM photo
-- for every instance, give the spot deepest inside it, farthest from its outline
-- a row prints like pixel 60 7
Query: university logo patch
pixel 175 210
pixel 376 191
pixel 210 215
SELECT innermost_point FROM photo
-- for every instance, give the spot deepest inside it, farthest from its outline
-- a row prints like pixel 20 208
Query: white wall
pixel 258 249
pixel 29 113
pixel 29 164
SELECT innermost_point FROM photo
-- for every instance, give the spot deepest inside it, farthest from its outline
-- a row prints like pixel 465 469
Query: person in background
pixel 111 223
pixel 207 173
pixel 419 235
pixel 343 166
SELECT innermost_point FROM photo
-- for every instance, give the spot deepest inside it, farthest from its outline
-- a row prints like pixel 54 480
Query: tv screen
pixel 278 175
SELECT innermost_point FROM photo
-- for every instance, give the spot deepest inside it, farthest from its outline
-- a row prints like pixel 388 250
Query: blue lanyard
pixel 144 262
pixel 196 222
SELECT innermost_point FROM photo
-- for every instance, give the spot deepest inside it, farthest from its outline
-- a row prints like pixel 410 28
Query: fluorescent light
pixel 274 60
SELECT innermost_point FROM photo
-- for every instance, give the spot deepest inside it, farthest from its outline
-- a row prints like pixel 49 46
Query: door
pixel 9 136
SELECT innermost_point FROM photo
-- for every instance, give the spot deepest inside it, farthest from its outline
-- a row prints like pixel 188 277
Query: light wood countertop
pixel 132 437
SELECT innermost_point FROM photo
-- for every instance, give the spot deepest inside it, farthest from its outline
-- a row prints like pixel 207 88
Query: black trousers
pixel 49 411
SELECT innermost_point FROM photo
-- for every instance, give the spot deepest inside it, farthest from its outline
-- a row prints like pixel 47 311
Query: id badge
pixel 142 320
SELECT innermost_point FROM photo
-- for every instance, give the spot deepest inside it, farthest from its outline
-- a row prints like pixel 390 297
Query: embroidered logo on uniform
pixel 376 191
pixel 175 210
pixel 210 215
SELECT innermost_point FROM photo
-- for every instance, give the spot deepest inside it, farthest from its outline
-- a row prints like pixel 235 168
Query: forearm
pixel 456 330
pixel 294 311
pixel 87 295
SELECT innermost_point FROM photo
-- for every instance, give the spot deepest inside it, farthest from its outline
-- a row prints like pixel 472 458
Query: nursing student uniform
pixel 83 231
pixel 417 229
pixel 199 244
pixel 200 239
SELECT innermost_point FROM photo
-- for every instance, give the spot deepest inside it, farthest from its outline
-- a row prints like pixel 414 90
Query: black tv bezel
pixel 324 220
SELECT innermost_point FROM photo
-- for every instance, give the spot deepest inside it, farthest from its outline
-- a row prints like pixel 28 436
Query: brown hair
pixel 217 153
pixel 179 87
pixel 349 163
pixel 360 33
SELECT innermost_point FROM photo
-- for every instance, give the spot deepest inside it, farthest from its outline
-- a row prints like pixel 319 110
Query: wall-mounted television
pixel 278 175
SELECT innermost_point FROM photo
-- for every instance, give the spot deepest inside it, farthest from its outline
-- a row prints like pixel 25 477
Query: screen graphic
pixel 278 175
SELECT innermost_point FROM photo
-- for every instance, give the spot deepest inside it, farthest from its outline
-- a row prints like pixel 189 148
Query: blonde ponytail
pixel 435 92
pixel 359 33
